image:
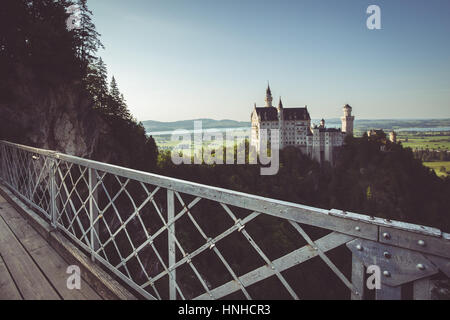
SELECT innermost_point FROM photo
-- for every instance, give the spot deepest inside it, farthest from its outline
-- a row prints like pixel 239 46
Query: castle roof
pixel 296 114
pixel 267 113
pixel 271 113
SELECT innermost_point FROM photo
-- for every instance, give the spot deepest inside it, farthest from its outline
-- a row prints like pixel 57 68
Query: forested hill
pixel 53 89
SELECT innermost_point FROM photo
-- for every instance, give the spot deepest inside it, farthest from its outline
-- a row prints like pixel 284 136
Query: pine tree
pixel 96 83
pixel 114 92
pixel 117 105
pixel 87 38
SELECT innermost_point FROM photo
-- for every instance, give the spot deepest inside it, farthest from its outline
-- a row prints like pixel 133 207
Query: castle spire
pixel 280 104
pixel 269 98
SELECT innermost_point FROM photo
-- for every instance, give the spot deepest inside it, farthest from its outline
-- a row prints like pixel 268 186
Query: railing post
pixel 357 278
pixel 52 189
pixel 93 212
pixel 171 244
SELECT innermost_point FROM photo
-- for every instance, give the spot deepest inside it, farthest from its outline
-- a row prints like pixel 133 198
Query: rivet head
pixel 387 255
pixel 420 266
pixel 421 243
pixel 386 273
pixel 359 247
pixel 386 235
pixel 357 228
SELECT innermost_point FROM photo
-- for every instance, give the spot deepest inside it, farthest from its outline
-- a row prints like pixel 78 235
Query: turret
pixel 322 123
pixel 347 120
pixel 393 137
pixel 269 98
pixel 280 105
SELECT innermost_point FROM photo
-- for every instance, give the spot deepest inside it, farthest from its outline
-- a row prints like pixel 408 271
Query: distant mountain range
pixel 360 124
pixel 151 125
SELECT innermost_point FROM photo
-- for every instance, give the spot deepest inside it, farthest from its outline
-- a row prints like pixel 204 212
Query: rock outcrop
pixel 58 118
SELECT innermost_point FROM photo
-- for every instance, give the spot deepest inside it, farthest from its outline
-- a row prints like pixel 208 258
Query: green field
pixel 437 167
pixel 425 141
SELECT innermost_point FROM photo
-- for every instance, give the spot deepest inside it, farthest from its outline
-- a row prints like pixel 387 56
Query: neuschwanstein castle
pixel 295 129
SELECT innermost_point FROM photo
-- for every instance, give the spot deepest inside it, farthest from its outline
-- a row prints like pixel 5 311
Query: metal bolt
pixel 386 235
pixel 420 266
pixel 421 243
pixel 357 228
pixel 386 273
pixel 387 255
pixel 359 247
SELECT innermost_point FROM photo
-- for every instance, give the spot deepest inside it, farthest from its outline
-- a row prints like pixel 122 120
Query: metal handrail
pixel 65 190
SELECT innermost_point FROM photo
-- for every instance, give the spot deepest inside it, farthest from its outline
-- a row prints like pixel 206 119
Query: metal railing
pixel 172 239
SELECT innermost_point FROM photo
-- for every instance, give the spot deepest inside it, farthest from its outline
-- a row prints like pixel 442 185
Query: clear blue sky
pixel 190 59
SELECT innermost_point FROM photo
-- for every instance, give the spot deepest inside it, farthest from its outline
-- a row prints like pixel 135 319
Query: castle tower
pixel 393 137
pixel 322 123
pixel 269 98
pixel 347 120
pixel 281 122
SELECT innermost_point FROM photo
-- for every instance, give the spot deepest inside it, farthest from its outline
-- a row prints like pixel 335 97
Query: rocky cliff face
pixel 60 116
pixel 57 118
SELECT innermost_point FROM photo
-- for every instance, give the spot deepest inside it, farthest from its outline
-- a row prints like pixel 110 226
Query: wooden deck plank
pixel 27 276
pixel 51 263
pixel 101 281
pixel 8 289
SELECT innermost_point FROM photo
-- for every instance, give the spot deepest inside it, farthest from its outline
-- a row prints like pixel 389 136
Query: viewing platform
pixel 30 268
pixel 34 263
pixel 137 235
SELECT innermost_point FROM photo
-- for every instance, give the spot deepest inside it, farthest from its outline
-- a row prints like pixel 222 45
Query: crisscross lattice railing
pixel 172 239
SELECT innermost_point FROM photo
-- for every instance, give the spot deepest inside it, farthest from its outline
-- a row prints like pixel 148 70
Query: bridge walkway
pixel 30 268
